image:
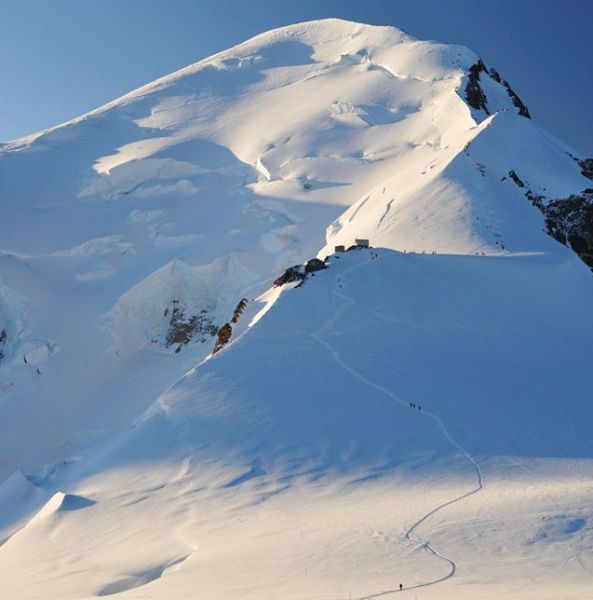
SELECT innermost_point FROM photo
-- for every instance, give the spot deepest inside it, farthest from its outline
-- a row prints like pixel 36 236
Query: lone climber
pixel 401 587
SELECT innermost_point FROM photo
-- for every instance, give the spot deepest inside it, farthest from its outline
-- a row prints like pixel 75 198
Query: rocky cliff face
pixel 476 96
pixel 184 328
pixel 570 221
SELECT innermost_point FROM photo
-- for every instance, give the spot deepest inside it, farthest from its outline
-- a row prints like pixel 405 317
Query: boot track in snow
pixel 409 534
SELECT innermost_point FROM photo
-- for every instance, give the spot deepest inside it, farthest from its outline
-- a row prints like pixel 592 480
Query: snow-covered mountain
pixel 416 412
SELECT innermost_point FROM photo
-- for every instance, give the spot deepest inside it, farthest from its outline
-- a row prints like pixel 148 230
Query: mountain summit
pixel 413 412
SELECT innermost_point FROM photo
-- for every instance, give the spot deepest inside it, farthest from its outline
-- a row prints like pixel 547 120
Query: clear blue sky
pixel 61 58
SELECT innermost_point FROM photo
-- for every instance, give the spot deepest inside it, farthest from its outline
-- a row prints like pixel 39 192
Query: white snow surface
pixel 418 412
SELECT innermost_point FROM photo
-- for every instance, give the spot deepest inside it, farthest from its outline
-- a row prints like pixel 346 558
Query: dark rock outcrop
pixel 295 273
pixel 226 331
pixel 300 272
pixel 315 264
pixel 473 92
pixel 239 310
pixel 475 96
pixel 523 110
pixel 570 221
pixel 3 336
pixel 223 338
pixel 535 199
pixel 182 329
pixel 516 178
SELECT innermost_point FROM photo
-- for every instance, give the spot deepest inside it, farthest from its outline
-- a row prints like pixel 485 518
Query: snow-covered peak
pixel 130 233
pixel 321 43
pixel 420 403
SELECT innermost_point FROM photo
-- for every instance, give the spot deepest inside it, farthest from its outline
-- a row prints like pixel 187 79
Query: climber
pixel 401 587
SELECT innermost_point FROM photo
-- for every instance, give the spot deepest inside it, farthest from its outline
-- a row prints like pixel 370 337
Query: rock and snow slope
pixel 397 417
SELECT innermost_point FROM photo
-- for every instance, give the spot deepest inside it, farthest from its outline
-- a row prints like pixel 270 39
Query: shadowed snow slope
pixel 386 388
pixel 417 413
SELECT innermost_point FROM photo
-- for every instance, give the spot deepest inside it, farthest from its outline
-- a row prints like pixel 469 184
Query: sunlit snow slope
pixel 419 413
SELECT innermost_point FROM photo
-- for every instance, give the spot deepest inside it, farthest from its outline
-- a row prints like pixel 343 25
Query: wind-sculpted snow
pixel 400 415
pixel 394 414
